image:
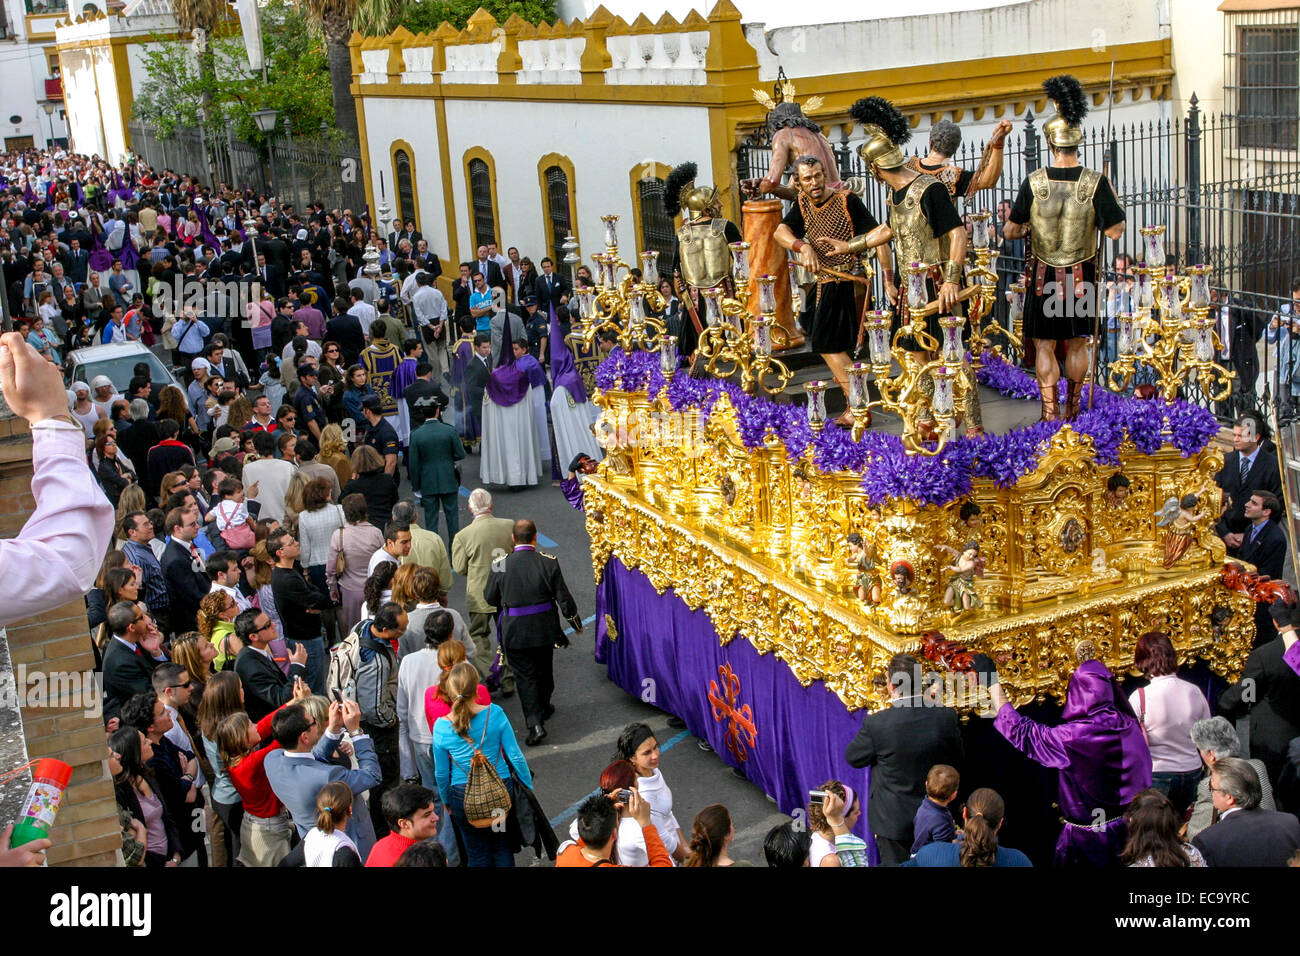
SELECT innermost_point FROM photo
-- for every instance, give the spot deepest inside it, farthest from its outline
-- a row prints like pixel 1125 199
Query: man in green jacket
pixel 435 448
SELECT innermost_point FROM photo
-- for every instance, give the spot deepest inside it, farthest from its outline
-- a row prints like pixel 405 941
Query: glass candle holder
pixel 740 262
pixel 916 293
pixel 650 267
pixel 668 355
pixel 1125 322
pixel 951 350
pixel 1153 241
pixel 942 401
pixel 611 231
pixel 1145 290
pixel 879 322
pixel 767 294
pixel 712 306
pixel 587 304
pixel 859 397
pixel 636 309
pixel 762 336
pixel 1199 290
pixel 1170 308
pixel 816 392
pixel 1016 302
pixel 1203 339
pixel 980 230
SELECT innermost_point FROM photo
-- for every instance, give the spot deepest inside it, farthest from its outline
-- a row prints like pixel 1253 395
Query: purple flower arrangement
pixel 888 472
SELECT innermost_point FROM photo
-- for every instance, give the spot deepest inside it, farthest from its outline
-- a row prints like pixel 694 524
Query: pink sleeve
pixel 57 555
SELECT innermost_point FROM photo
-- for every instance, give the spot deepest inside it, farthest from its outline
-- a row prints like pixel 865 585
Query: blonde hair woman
pixel 469 727
pixel 215 621
pixel 334 452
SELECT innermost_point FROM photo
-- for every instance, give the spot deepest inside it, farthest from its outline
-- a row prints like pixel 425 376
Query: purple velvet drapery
pixel 671 656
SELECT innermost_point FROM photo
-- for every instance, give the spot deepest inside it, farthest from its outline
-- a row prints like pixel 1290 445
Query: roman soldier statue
pixel 1061 208
pixel 924 226
pixel 945 137
pixel 703 248
pixel 817 229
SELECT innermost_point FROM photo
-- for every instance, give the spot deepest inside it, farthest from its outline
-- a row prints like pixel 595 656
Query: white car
pixel 118 363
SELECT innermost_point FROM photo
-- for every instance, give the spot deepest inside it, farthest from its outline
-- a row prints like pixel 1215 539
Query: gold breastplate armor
pixel 1062 221
pixel 703 253
pixel 914 240
pixel 830 220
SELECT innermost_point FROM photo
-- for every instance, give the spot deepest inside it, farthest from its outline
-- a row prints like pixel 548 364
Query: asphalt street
pixel 591 710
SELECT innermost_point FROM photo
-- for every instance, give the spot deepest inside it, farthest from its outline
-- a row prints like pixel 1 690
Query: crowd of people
pixel 284 680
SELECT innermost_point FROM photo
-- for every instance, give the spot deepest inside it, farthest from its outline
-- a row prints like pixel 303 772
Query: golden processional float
pixel 835 550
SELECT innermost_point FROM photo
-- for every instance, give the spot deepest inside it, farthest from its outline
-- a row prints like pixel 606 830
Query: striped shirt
pixel 155 595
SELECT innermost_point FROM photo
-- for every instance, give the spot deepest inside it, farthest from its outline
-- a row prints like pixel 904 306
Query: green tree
pixel 426 15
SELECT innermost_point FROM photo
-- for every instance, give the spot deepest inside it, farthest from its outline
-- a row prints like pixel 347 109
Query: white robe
pixel 510 454
pixel 572 423
pixel 538 397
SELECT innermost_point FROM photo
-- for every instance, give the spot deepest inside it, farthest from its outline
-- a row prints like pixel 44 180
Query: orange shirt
pixel 658 853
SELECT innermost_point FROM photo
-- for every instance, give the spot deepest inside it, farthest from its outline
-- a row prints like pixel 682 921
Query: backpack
pixel 372 684
pixel 487 799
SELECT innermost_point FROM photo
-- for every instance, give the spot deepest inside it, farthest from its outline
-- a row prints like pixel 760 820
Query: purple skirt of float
pixel 787 739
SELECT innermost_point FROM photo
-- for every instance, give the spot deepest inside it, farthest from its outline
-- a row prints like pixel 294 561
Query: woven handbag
pixel 487 799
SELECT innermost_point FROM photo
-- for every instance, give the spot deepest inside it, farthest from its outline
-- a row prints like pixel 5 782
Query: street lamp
pixel 49 107
pixel 265 120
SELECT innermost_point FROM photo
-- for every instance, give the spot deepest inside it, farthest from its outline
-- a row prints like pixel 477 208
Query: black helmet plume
pixel 1067 93
pixel 878 111
pixel 673 185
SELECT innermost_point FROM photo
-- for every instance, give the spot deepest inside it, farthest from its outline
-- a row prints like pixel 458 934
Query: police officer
pixel 529 589
pixel 308 401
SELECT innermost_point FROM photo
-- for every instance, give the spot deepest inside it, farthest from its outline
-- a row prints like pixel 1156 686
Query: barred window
pixel 557 205
pixel 405 187
pixel 480 190
pixel 657 229
pixel 1267 85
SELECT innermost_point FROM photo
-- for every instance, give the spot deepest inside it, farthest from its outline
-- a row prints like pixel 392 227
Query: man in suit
pixel 528 587
pixel 1270 691
pixel 473 550
pixel 133 652
pixel 552 289
pixel 900 744
pixel 271 275
pixel 1264 546
pixel 1245 835
pixel 76 259
pixel 184 569
pixel 266 687
pixel 1264 541
pixel 434 450
pixel 345 329
pixel 298 772
pixel 477 372
pixel 1249 468
pixel 489 269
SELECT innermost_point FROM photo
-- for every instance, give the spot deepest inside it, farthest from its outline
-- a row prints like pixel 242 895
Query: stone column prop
pixel 760 219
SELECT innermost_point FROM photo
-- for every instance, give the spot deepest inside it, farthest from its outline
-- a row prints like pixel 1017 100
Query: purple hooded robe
pixel 1102 757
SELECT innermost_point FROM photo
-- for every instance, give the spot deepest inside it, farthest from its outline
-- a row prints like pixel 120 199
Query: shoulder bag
pixel 487 799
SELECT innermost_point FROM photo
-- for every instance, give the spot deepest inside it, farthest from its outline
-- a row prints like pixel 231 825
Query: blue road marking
pixel 585 622
pixel 572 809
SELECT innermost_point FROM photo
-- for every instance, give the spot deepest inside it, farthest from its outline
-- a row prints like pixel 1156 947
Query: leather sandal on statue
pixel 1051 403
pixel 1072 400
pixel 845 420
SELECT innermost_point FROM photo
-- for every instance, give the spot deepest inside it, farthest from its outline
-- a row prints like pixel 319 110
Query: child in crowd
pixel 933 822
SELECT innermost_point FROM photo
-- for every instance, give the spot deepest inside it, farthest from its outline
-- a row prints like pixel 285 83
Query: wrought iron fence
pixel 324 171
pixel 1224 202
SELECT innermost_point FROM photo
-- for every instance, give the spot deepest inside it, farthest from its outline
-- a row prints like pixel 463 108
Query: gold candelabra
pixel 1179 341
pixel 620 305
pixel 736 342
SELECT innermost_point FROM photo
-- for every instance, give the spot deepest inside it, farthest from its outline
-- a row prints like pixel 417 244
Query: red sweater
pixel 249 777
pixel 571 856
pixel 435 706
pixel 386 851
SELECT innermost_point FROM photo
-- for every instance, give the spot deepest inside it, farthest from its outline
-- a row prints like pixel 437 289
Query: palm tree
pixel 202 15
pixel 335 19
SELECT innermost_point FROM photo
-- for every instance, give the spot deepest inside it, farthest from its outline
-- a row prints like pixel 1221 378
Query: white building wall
pixel 1197 37
pixel 602 164
pixel 85 126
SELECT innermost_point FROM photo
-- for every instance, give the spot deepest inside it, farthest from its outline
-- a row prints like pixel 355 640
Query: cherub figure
pixel 1181 518
pixel 867 584
pixel 961 593
pixel 1116 490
